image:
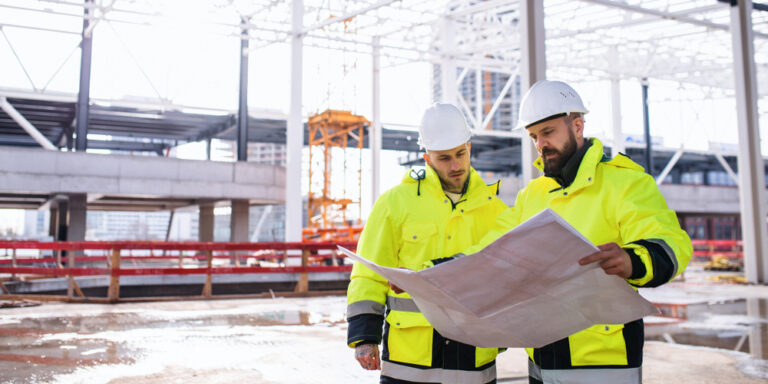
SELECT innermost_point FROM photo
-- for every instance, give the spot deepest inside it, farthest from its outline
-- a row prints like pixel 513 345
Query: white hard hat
pixel 443 127
pixel 547 99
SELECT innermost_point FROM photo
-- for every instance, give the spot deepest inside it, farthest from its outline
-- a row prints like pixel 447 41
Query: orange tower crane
pixel 329 133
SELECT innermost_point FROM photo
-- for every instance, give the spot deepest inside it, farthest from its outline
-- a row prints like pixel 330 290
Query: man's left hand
pixel 613 259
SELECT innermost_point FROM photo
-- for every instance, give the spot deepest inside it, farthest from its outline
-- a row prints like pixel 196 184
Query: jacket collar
pixel 586 170
pixel 430 183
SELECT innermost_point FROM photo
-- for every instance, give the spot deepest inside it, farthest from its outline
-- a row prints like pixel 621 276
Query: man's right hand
pixel 368 356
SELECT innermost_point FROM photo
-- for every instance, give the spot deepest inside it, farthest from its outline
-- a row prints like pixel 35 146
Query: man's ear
pixel 426 159
pixel 578 126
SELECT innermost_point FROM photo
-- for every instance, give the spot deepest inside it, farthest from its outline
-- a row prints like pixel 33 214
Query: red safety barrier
pixel 705 249
pixel 203 253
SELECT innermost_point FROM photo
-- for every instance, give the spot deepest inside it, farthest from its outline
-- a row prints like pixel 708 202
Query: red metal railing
pixel 92 258
pixel 705 249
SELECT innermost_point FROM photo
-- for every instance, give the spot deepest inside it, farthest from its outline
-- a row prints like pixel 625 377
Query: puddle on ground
pixel 38 349
pixel 739 325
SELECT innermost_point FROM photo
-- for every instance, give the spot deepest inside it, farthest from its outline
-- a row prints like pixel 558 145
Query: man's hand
pixel 613 259
pixel 395 288
pixel 368 356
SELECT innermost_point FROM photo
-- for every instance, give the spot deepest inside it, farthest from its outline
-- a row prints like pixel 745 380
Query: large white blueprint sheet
pixel 526 289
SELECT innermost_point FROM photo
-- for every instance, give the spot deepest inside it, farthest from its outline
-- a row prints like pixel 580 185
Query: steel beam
pixel 242 113
pixel 533 67
pixel 25 124
pixel 295 131
pixel 752 193
pixel 84 92
pixel 647 129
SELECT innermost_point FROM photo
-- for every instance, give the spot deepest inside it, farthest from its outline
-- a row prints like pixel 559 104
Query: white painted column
pixel 752 194
pixel 448 86
pixel 295 132
pixel 618 134
pixel 374 139
pixel 533 67
pixel 479 97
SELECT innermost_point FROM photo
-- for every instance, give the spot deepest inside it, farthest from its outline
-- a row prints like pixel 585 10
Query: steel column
pixel 295 140
pixel 618 135
pixel 448 88
pixel 752 194
pixel 84 92
pixel 242 113
pixel 374 136
pixel 647 129
pixel 533 67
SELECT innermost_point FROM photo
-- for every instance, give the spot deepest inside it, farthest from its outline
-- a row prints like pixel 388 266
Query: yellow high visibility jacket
pixel 609 200
pixel 410 225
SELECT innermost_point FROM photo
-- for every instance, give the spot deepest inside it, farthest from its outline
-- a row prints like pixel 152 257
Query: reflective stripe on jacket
pixel 610 200
pixel 410 225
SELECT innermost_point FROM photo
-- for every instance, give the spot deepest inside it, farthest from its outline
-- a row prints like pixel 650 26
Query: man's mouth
pixel 458 174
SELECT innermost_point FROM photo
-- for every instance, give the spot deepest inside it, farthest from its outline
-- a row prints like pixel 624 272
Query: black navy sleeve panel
pixel 364 329
pixel 663 266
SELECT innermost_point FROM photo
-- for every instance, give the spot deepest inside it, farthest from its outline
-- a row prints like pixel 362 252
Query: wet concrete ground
pixel 303 341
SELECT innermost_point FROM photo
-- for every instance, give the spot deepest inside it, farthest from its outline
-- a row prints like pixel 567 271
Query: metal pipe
pixel 26 125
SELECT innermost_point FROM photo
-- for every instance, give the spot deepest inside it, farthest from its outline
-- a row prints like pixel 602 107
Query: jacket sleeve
pixel 367 291
pixel 660 250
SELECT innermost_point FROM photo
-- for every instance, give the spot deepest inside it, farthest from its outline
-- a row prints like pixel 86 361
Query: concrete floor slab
pixel 283 340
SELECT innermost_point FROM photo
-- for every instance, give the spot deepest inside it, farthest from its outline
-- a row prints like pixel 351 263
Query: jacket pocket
pixel 601 344
pixel 410 338
pixel 419 244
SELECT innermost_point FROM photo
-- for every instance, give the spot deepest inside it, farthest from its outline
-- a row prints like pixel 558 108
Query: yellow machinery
pixel 719 262
pixel 334 190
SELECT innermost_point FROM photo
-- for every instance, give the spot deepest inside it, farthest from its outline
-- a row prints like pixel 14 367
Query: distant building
pixel 492 84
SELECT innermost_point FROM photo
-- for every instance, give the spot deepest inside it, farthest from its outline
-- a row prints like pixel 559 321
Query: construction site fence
pixel 27 260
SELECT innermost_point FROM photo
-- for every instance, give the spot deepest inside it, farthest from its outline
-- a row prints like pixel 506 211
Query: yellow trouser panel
pixel 485 355
pixel 600 344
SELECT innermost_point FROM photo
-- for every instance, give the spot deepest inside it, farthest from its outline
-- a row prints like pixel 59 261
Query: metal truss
pixel 684 41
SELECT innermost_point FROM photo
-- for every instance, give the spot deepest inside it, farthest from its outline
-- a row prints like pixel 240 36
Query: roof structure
pixel 683 41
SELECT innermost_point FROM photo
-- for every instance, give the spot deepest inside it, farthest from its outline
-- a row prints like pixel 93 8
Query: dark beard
pixel 555 165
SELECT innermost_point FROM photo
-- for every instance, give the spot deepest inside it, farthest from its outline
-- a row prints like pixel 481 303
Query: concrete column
pixel 239 221
pixel 53 217
pixel 295 141
pixel 84 93
pixel 205 223
pixel 62 220
pixel 78 208
pixel 533 67
pixel 752 194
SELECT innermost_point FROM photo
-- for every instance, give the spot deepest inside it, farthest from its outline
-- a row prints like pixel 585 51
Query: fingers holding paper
pixel 613 259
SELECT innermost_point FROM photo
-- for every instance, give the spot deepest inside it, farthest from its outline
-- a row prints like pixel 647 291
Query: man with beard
pixel 613 203
pixel 435 211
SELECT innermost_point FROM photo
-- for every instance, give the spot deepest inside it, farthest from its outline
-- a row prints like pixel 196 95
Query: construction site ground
pixel 302 340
